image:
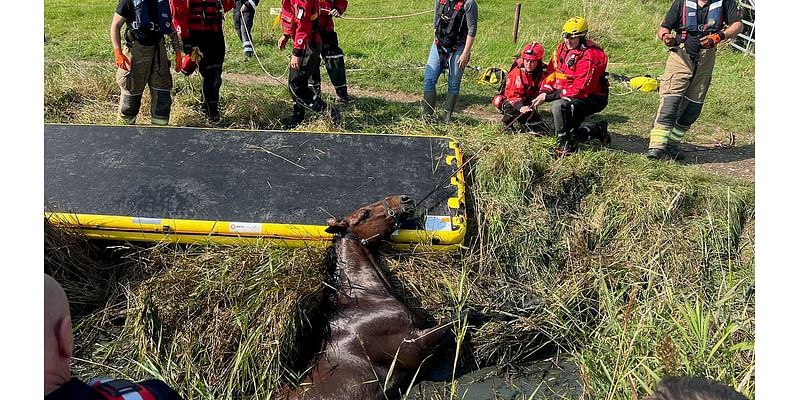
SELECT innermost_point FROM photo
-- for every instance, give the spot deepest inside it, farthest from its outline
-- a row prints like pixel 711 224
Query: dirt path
pixel 737 162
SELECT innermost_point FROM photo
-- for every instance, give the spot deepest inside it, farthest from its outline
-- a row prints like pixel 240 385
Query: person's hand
pixel 538 100
pixel 334 12
pixel 525 109
pixel 282 42
pixel 463 61
pixel 178 57
pixel 120 59
pixel 711 40
pixel 668 39
pixel 294 63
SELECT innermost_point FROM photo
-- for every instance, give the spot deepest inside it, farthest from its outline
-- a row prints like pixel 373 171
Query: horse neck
pixel 357 269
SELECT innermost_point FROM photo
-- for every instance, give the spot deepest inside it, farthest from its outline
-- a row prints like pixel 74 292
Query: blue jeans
pixel 433 69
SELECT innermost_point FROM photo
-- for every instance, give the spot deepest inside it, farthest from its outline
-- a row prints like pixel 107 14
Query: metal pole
pixel 516 21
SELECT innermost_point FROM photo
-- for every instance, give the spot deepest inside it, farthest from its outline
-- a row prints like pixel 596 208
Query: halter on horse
pixel 376 345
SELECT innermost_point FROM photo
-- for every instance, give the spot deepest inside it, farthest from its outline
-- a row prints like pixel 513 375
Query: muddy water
pixel 545 379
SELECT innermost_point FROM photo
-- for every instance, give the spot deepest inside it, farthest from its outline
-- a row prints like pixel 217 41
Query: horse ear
pixel 335 226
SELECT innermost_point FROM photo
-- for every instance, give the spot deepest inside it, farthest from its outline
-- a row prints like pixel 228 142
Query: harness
pixel 121 389
pixel 143 17
pixel 205 15
pixel 689 22
pixel 448 28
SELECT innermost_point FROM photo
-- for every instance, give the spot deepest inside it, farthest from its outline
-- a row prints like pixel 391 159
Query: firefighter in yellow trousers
pixel 699 26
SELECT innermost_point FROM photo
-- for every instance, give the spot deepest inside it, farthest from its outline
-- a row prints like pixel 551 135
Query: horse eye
pixel 365 214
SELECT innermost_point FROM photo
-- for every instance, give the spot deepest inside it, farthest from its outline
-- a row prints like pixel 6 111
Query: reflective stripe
pixel 715 5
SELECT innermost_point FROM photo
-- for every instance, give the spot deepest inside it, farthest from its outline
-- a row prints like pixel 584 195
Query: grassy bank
pixel 630 268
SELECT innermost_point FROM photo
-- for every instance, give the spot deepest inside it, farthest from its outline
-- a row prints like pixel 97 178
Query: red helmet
pixel 498 100
pixel 187 65
pixel 533 51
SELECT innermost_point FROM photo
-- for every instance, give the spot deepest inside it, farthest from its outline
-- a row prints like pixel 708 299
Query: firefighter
pixel 199 25
pixel 300 23
pixel 143 60
pixel 244 11
pixel 59 384
pixel 520 88
pixel 455 24
pixel 577 87
pixel 698 28
pixel 331 53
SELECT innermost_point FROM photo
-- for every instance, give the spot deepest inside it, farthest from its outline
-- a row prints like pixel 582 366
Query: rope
pixel 381 18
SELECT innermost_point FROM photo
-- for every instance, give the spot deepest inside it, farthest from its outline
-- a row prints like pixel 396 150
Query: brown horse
pixel 376 344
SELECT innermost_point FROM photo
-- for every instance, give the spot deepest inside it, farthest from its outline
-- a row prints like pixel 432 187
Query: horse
pixel 376 345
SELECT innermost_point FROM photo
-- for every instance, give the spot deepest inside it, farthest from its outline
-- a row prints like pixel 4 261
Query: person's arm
pixel 472 29
pixel 116 41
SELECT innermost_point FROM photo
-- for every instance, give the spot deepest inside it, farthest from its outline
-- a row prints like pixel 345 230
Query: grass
pixel 633 270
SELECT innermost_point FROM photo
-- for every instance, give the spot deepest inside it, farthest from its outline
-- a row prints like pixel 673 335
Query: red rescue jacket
pixel 299 20
pixel 198 15
pixel 325 19
pixel 577 73
pixel 522 86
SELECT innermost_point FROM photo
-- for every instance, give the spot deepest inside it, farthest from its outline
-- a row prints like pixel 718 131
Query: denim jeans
pixel 433 69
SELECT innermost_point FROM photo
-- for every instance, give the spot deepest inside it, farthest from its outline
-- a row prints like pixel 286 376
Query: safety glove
pixel 668 39
pixel 711 40
pixel 120 59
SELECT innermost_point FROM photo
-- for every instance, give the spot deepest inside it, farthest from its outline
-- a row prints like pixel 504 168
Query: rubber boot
pixel 449 106
pixel 428 105
pixel 298 115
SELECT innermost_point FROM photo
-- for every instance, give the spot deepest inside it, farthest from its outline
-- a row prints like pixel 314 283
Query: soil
pixel 738 161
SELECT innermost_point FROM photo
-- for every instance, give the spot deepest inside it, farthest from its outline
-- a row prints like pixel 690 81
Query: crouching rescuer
pixel 698 27
pixel 577 86
pixel 520 88
pixel 143 60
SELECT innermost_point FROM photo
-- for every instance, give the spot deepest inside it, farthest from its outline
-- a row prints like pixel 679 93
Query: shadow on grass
pixel 694 153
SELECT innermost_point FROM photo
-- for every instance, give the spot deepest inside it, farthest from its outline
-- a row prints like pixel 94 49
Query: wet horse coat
pixel 376 343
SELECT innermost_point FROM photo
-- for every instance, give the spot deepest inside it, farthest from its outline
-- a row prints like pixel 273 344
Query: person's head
pixel 574 31
pixel 691 388
pixel 532 54
pixel 57 335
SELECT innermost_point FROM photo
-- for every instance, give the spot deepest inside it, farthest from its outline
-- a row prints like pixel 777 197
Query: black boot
pixel 343 97
pixel 671 152
pixel 298 115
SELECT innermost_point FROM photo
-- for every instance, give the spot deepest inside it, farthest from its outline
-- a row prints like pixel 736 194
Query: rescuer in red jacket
pixel 520 89
pixel 300 22
pixel 199 25
pixel 577 87
pixel 331 53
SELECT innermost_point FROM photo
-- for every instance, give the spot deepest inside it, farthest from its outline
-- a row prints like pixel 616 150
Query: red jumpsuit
pixel 199 24
pixel 577 87
pixel 521 88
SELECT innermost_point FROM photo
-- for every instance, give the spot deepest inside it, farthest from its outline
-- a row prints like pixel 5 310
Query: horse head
pixel 376 221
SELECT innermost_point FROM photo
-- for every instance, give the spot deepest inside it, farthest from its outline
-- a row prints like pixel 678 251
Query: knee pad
pixel 129 105
pixel 668 111
pixel 690 114
pixel 162 103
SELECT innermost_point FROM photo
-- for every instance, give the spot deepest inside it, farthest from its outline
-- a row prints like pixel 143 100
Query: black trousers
pixel 243 24
pixel 302 94
pixel 212 45
pixel 569 114
pixel 333 57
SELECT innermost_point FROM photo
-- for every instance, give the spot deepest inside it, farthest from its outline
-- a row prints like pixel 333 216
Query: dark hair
pixel 692 388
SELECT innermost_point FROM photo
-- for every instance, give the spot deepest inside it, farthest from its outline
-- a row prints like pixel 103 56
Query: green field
pixel 640 269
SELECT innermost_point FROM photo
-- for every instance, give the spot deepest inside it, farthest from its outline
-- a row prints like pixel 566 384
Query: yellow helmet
pixel 575 26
